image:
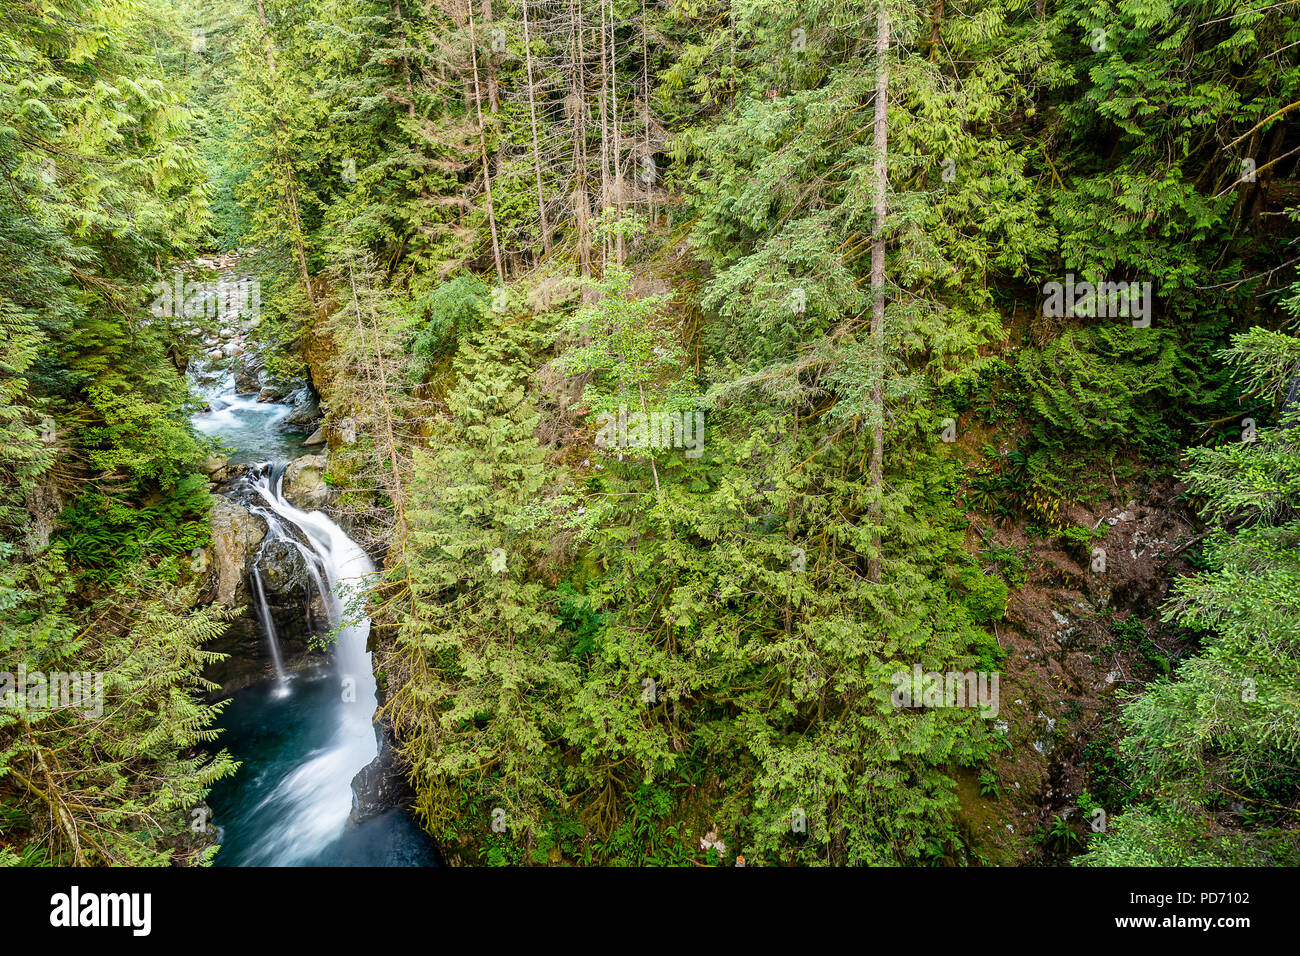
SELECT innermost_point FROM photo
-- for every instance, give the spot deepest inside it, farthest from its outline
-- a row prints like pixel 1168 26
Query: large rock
pixel 379 786
pixel 283 568
pixel 248 373
pixel 274 392
pixel 305 409
pixel 216 467
pixel 236 533
pixel 304 482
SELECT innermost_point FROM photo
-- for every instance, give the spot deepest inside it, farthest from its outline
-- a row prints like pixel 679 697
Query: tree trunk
pixel 290 183
pixel 647 162
pixel 880 176
pixel 604 125
pixel 482 143
pixel 935 23
pixel 493 97
pixel 399 498
pixel 532 116
pixel 582 201
pixel 614 143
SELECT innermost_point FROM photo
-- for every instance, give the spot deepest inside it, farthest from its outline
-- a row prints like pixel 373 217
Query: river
pixel 301 737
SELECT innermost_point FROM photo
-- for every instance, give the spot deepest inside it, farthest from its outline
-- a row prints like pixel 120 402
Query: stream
pixel 301 736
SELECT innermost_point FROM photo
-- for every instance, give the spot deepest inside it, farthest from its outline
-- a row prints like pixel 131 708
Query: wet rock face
pixel 248 373
pixel 305 408
pixel 272 393
pixel 304 482
pixel 246 660
pixel 283 569
pixel 236 533
pixel 291 594
pixel 380 786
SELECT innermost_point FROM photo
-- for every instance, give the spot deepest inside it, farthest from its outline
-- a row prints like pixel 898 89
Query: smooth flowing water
pixel 301 737
pixel 252 430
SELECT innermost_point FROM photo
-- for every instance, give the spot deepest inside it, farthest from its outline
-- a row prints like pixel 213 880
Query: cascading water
pixel 313 801
pixel 303 737
pixel 267 621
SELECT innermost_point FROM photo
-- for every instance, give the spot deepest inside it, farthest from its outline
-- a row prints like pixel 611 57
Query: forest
pixel 650 432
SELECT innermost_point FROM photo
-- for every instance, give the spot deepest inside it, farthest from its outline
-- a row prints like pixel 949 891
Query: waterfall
pixel 314 800
pixel 347 568
pixel 303 738
pixel 268 623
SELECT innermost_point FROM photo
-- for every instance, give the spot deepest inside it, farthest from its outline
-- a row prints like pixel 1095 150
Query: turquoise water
pixel 277 737
pixel 300 742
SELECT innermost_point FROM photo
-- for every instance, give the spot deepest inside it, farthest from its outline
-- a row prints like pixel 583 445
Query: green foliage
pixel 1011 563
pixel 107 536
pixel 454 309
pixel 1059 837
pixel 121 794
pixel 481 685
pixel 1225 724
pixel 1092 384
pixel 98 500
pixel 622 652
pixel 989 785
pixel 624 345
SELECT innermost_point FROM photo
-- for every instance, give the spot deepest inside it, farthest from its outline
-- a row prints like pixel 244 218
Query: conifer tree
pixel 478 686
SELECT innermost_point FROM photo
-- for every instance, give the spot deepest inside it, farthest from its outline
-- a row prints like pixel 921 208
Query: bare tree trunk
pixel 604 127
pixel 532 115
pixel 290 183
pixel 647 161
pixel 880 175
pixel 582 201
pixel 493 97
pixel 935 23
pixel 482 142
pixel 614 144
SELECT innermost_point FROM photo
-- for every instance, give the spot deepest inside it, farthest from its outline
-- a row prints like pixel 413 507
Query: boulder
pixel 247 373
pixel 216 467
pixel 304 482
pixel 272 393
pixel 305 408
pixel 315 438
pixel 379 786
pixel 236 532
pixel 283 568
